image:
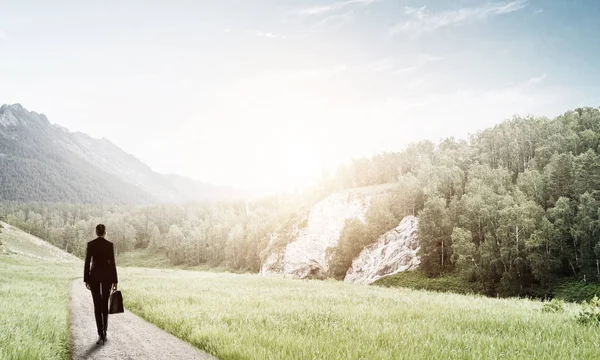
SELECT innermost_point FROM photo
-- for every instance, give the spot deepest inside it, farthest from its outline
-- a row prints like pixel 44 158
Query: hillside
pixel 15 241
pixel 48 163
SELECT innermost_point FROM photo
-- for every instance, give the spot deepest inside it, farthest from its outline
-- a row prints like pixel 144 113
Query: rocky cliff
pixel 394 252
pixel 304 254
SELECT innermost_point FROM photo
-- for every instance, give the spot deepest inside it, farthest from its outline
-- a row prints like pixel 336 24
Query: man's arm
pixel 86 266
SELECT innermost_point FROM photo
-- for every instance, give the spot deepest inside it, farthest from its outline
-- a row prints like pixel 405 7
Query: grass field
pixel 147 258
pixel 251 317
pixel 142 258
pixel 34 313
pixel 35 278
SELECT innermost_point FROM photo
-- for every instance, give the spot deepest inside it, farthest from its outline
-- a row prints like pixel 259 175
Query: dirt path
pixel 129 337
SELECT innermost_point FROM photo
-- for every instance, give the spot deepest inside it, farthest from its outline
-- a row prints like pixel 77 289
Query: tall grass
pixel 252 317
pixel 34 313
pixel 417 281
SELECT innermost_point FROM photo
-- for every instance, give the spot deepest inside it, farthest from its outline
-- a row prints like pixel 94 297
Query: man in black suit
pixel 100 277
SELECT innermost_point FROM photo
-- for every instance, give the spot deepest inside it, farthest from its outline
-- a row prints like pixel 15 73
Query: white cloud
pixel 422 21
pixel 269 34
pixel 325 9
pixel 336 21
pixel 535 80
pixel 538 11
pixel 382 65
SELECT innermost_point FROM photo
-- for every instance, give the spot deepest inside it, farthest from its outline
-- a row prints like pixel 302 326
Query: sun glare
pixel 302 166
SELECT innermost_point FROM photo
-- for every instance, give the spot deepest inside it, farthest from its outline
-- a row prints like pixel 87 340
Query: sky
pixel 267 94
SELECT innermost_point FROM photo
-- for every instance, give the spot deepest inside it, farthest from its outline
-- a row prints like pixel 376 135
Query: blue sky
pixel 267 93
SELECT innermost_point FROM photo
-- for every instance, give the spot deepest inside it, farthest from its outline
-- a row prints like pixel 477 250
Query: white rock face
pixel 394 252
pixel 307 255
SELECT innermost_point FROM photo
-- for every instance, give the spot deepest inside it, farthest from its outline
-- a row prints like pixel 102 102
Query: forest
pixel 512 210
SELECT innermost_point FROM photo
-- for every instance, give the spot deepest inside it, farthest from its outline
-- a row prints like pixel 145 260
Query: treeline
pixel 229 234
pixel 514 209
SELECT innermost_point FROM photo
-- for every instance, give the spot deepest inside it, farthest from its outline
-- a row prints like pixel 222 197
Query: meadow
pixel 34 312
pixel 243 316
pixel 252 317
pixel 35 278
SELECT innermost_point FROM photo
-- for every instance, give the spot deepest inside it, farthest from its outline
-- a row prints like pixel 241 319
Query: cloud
pixel 269 34
pixel 422 21
pixel 535 80
pixel 336 21
pixel 2 35
pixel 333 15
pixel 538 11
pixel 382 65
pixel 325 9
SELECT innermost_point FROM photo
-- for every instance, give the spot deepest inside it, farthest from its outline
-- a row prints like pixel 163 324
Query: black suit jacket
pixel 101 254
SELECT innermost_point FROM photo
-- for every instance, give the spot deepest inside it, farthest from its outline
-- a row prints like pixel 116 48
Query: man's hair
pixel 100 230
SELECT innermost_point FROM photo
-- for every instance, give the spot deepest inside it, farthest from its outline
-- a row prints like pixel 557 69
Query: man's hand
pixel 87 285
pixel 114 287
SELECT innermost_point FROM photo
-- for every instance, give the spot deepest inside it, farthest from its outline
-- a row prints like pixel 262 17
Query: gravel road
pixel 129 337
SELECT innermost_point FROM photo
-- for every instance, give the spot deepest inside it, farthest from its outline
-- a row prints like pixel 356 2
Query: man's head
pixel 100 230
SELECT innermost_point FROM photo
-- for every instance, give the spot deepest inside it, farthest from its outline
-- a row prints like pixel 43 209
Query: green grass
pixel 143 258
pixel 15 241
pixel 148 258
pixel 34 313
pixel 576 290
pixel 417 281
pixel 35 279
pixel 252 317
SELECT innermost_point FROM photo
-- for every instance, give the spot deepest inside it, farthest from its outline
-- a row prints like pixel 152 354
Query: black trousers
pixel 100 294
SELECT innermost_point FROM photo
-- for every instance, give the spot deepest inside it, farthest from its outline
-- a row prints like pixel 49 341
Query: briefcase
pixel 115 303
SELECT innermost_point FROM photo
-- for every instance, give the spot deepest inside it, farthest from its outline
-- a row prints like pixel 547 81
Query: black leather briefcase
pixel 115 303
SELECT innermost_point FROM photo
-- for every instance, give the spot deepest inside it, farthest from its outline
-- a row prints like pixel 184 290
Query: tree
pixel 587 173
pixel 543 252
pixel 531 183
pixel 435 230
pixel 562 217
pixel 517 221
pixel 464 253
pixel 586 233
pixel 352 239
pixel 558 176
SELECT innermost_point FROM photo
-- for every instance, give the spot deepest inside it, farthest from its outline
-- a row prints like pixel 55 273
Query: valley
pixel 300 179
pixel 245 316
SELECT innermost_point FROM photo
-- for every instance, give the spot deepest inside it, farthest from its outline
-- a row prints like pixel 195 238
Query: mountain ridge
pixel 32 150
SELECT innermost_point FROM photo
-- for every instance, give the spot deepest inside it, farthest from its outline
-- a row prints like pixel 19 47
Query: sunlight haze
pixel 267 94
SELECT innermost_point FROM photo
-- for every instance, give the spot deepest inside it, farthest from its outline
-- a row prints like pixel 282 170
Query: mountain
pixel 44 162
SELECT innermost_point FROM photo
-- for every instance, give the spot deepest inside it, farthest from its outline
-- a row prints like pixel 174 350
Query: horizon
pixel 279 91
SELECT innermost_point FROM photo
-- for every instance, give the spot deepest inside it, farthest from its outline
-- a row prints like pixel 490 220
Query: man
pixel 100 277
